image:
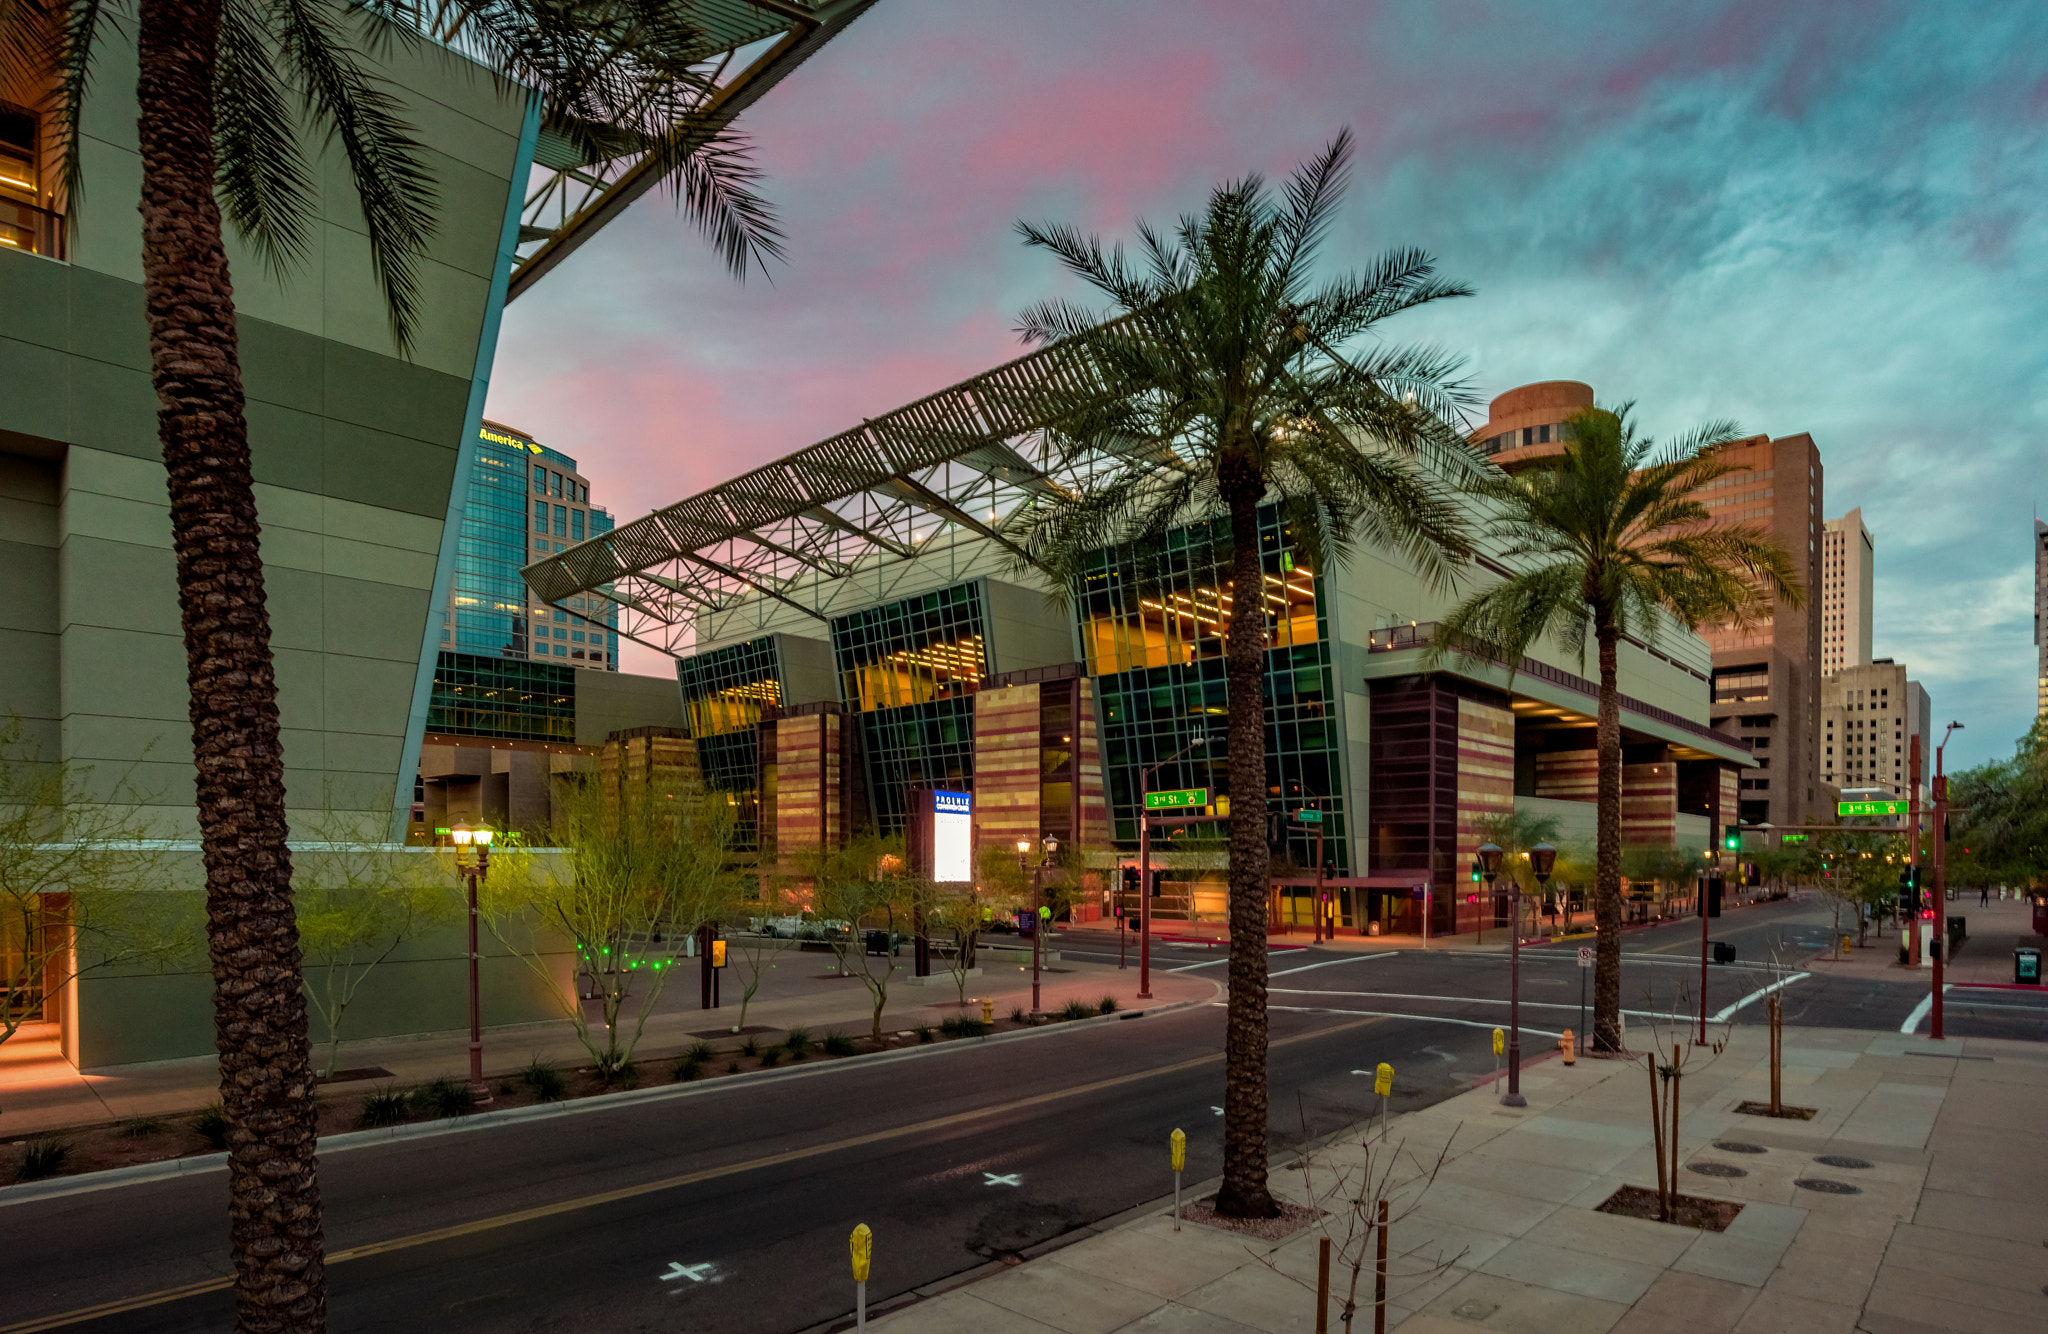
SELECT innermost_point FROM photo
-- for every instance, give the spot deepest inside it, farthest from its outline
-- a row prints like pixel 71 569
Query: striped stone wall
pixel 1649 805
pixel 1486 768
pixel 1092 826
pixel 1568 775
pixel 810 806
pixel 1006 746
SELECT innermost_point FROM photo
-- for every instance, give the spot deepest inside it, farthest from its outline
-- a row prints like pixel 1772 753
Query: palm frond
pixel 261 178
pixel 714 185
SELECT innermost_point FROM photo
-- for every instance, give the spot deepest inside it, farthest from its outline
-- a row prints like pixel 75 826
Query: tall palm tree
pixel 1225 357
pixel 230 95
pixel 1606 539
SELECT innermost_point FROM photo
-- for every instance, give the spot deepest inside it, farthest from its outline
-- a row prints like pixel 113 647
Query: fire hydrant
pixel 1567 1044
pixel 988 1010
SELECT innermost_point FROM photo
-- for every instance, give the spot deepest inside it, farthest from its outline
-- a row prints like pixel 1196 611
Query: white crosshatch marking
pixel 1005 1179
pixel 694 1273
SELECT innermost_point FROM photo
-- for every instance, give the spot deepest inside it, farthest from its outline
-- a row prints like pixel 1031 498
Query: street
pixel 727 1206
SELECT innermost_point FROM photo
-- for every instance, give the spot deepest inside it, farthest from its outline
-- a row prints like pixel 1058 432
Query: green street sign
pixel 1792 838
pixel 1871 808
pixel 1187 797
pixel 1309 817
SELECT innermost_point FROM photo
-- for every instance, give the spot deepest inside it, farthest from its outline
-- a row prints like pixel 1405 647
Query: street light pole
pixel 1145 868
pixel 1490 855
pixel 472 874
pixel 1940 839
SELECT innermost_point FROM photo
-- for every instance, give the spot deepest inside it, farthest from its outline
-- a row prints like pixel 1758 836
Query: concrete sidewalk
pixel 1944 1230
pixel 40 1092
pixel 1995 930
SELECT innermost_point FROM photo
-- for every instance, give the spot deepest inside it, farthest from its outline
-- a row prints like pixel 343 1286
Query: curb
pixel 28 1192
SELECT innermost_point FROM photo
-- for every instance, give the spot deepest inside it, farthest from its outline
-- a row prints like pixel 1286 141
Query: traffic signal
pixel 1158 884
pixel 1909 892
pixel 1276 830
pixel 1130 880
pixel 1477 873
pixel 1714 883
pixel 1731 837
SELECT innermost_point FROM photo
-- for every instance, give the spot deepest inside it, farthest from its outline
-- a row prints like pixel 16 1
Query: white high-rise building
pixel 1869 717
pixel 1845 590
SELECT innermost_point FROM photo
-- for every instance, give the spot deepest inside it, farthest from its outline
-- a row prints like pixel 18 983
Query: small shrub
pixel 1107 1005
pixel 750 1048
pixel 442 1097
pixel 770 1057
pixel 142 1127
pixel 687 1070
pixel 42 1158
pixel 732 1067
pixel 798 1042
pixel 1016 1014
pixel 1076 1009
pixel 700 1052
pixel 385 1107
pixel 924 1032
pixel 959 1026
pixel 546 1080
pixel 624 1075
pixel 212 1125
pixel 838 1044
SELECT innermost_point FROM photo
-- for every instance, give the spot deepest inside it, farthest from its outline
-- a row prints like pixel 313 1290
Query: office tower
pixel 1846 583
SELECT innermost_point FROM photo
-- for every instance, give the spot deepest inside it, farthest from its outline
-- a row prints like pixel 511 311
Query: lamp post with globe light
pixel 472 873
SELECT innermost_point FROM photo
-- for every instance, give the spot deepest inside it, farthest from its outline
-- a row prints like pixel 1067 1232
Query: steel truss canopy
pixel 749 46
pixel 800 537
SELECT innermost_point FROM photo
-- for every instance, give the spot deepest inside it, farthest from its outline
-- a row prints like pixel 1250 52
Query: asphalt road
pixel 728 1208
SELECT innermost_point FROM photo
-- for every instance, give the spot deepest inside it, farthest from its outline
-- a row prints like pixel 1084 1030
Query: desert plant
pixel 924 1033
pixel 838 1044
pixel 212 1124
pixel 42 1158
pixel 862 884
pixel 142 1127
pixel 383 1107
pixel 441 1098
pixel 1076 1009
pixel 796 1042
pixel 1016 1014
pixel 732 1067
pixel 959 1026
pixel 1107 1005
pixel 545 1080
pixel 770 1056
pixel 686 1069
pixel 750 1048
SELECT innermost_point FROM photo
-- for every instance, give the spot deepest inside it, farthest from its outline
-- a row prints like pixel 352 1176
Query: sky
pixel 1806 215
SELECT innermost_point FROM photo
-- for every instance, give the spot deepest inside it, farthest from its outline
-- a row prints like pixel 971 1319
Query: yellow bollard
pixel 1383 1084
pixel 1500 1045
pixel 862 1246
pixel 1179 1141
pixel 1569 1045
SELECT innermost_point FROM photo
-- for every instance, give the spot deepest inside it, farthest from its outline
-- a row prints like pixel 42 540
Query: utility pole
pixel 1913 841
pixel 1939 838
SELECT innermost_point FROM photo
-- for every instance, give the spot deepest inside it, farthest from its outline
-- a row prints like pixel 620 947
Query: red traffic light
pixel 1471 898
pixel 1927 914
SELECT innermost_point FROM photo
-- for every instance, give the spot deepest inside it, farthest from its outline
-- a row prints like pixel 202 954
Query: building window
pixel 915 651
pixel 554 484
pixel 540 478
pixel 576 525
pixel 540 516
pixel 1736 684
pixel 561 521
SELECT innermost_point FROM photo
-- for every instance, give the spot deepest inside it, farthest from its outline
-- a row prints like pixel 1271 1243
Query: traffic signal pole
pixel 1144 904
pixel 1913 842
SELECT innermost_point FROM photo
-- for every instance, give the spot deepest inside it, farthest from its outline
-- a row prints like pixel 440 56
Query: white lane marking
pixel 1190 967
pixel 1926 1004
pixel 1006 1179
pixel 1217 1110
pixel 694 1273
pixel 1726 1013
pixel 1330 963
pixel 1424 1018
pixel 1461 1000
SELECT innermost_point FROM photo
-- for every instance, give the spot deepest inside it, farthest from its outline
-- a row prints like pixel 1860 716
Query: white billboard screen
pixel 952 837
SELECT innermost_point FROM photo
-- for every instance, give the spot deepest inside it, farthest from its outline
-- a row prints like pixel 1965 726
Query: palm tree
pixel 1225 363
pixel 224 89
pixel 1605 540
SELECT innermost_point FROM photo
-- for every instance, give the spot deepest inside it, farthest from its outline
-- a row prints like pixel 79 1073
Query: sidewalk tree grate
pixel 1821 1185
pixel 1736 1146
pixel 1841 1160
pixel 1716 1169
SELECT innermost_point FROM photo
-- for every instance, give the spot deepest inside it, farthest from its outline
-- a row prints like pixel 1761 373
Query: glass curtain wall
pixel 910 670
pixel 488 596
pixel 477 695
pixel 725 692
pixel 1152 630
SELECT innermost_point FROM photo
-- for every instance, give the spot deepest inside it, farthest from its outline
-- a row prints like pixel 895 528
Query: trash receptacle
pixel 1958 927
pixel 879 943
pixel 2026 966
pixel 1723 952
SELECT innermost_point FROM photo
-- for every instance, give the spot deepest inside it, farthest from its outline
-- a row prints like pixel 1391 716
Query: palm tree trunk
pixel 1244 1193
pixel 1607 850
pixel 259 997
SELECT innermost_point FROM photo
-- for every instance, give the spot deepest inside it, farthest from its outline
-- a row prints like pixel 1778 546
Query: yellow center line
pixel 518 1216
